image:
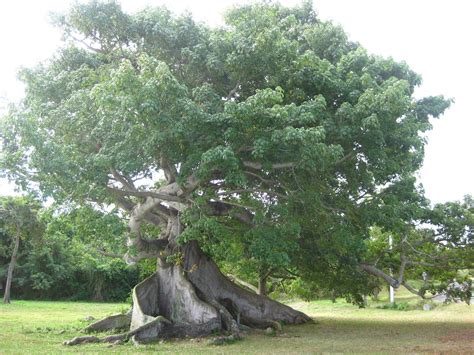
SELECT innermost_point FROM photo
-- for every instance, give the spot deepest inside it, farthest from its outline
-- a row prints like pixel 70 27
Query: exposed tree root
pixel 198 302
pixel 254 310
pixel 157 322
pixel 116 321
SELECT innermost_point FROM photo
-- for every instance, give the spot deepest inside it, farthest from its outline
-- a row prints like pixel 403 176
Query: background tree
pixel 18 219
pixel 76 255
pixel 275 134
pixel 436 242
pixel 93 242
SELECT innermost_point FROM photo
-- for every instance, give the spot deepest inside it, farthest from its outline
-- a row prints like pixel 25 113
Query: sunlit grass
pixel 30 327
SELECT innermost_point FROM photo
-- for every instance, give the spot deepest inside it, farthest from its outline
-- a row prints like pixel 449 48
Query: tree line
pixel 62 253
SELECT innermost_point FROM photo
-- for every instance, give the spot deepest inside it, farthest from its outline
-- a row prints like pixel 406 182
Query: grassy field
pixel 31 327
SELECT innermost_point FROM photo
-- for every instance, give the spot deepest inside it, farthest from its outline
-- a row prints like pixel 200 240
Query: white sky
pixel 433 37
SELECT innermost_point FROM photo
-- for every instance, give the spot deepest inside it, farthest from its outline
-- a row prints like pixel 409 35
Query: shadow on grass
pixel 40 327
pixel 368 335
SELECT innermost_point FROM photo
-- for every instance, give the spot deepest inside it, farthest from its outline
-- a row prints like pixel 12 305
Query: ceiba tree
pixel 274 129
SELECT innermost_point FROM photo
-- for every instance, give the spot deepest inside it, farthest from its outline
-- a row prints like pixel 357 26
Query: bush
pixel 402 306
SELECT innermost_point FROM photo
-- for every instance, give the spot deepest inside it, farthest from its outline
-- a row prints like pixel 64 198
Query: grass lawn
pixel 31 327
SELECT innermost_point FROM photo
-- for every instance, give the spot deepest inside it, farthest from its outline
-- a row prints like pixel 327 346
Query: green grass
pixel 31 327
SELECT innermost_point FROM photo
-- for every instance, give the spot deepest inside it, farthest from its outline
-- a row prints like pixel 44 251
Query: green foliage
pixel 402 306
pixel 176 258
pixel 146 268
pixel 18 215
pixel 63 257
pixel 308 140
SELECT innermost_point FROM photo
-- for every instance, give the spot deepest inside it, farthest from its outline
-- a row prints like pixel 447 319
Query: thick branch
pixel 138 214
pixel 146 249
pixel 240 191
pixel 168 169
pixel 109 255
pixel 412 290
pixel 233 91
pixel 389 279
pixel 377 272
pixel 156 195
pixel 401 271
pixel 346 157
pixel 224 208
pixel 158 217
pixel 123 180
pixel 266 181
pixel 276 166
pixel 245 217
pixel 88 46
pixel 243 283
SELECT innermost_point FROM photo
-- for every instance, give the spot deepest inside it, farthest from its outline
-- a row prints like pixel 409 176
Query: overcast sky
pixel 433 37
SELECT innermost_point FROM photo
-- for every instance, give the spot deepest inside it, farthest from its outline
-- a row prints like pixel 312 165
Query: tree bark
pixel 11 266
pixel 198 299
pixel 246 307
pixel 262 285
pixel 191 297
pixel 98 286
pixel 242 283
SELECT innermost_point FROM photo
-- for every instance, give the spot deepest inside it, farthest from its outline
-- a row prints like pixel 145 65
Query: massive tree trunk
pixel 189 296
pixel 11 266
pixel 193 298
pixel 198 299
pixel 249 308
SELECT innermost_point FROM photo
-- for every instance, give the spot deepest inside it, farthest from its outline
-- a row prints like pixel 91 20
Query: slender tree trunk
pixel 98 285
pixel 262 284
pixel 6 295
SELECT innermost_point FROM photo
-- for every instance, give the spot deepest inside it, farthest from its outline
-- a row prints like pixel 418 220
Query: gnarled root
pixel 253 310
pixel 156 323
pixel 174 303
pixel 116 321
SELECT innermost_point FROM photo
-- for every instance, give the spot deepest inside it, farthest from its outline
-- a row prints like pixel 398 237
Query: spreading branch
pixel 240 191
pixel 168 169
pixel 395 283
pixel 276 166
pixel 155 195
pixel 379 273
pixel 225 208
pixel 125 181
pixel 346 157
pixel 87 45
pixel 233 91
pixel 262 179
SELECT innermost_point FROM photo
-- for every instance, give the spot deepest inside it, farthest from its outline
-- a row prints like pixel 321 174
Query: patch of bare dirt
pixel 461 336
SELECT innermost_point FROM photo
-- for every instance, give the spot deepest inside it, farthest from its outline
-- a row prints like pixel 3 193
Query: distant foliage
pixel 65 260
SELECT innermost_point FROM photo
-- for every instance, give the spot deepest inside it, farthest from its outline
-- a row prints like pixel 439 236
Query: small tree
pixel 18 219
